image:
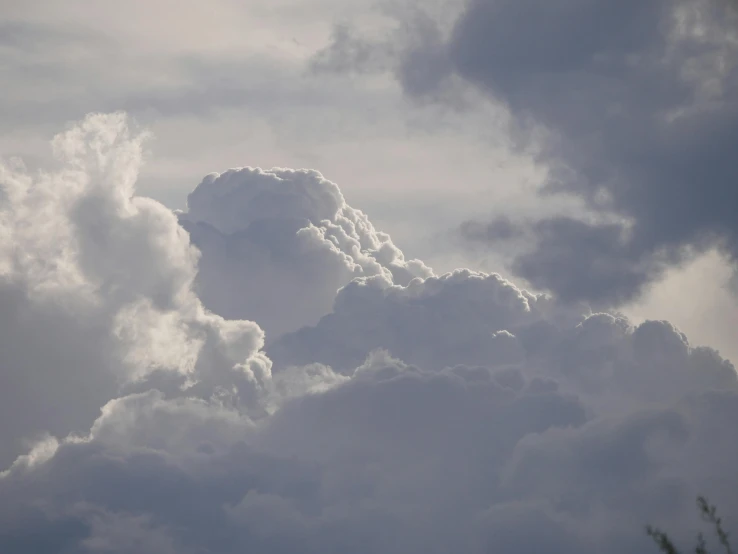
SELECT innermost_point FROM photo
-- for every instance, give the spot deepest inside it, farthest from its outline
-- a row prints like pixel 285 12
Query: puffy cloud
pixel 397 459
pixel 458 318
pixel 292 236
pixel 481 320
pixel 96 286
pixel 421 414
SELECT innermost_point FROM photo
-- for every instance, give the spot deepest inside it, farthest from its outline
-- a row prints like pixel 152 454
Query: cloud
pixel 289 234
pixel 349 52
pixel 632 107
pixel 396 460
pixel 458 318
pixel 421 413
pixel 579 261
pixel 501 228
pixel 410 46
pixel 96 283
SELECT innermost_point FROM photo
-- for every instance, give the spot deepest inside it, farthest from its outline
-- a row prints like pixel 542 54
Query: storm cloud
pixel 632 107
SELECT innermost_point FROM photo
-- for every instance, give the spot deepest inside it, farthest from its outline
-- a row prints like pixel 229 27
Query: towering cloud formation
pixel 453 413
pixel 96 286
pixel 290 235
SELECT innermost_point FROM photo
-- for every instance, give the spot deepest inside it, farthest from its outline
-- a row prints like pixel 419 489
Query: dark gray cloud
pixel 594 262
pixel 415 52
pixel 639 103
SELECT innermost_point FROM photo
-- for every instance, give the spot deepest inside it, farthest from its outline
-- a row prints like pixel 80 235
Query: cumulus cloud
pixel 469 320
pixel 290 235
pixel 458 318
pixel 96 285
pixel 632 106
pixel 422 413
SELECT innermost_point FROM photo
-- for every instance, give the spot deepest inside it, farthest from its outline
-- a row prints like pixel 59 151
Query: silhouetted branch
pixel 709 514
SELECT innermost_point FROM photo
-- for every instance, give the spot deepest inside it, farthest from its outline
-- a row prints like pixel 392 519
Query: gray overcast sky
pixel 373 276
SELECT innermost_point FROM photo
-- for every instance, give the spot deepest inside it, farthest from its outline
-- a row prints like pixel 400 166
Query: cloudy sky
pixel 369 276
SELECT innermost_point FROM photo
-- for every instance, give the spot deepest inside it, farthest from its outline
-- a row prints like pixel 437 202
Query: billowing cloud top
pixel 97 292
pixel 395 411
pixel 290 235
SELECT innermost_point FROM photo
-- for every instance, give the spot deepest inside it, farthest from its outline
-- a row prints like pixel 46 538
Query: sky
pixel 371 276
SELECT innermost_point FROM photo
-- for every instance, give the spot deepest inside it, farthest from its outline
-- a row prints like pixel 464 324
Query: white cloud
pixel 290 235
pixel 96 284
pixel 461 413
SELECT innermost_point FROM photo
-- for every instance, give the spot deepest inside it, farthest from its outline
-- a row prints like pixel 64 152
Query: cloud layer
pixel 395 411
